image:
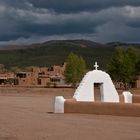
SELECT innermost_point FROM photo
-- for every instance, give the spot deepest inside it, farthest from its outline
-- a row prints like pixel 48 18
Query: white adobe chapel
pixel 85 91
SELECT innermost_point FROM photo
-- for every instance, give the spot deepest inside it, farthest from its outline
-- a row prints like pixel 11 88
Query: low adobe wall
pixel 135 99
pixel 102 108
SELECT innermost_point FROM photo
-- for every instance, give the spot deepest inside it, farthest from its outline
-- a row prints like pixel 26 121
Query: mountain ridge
pixel 56 51
pixel 82 42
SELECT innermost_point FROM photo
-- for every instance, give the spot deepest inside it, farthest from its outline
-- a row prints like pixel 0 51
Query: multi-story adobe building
pixel 7 78
pixel 43 76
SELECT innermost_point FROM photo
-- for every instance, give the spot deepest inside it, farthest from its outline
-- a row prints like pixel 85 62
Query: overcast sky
pixel 31 21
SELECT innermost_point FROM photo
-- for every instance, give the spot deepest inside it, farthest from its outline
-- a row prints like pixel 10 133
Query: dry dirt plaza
pixel 26 114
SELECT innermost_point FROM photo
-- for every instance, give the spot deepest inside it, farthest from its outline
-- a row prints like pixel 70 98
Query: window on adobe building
pixel 55 80
pixel 21 75
pixel 51 69
pixel 39 81
pixel 2 81
pixel 41 73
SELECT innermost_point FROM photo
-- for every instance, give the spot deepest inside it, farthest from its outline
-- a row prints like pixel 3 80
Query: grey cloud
pixel 44 22
pixel 82 5
pixel 32 20
pixel 20 4
pixel 72 6
pixel 117 32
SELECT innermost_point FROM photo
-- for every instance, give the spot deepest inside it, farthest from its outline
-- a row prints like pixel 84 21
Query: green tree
pixel 75 69
pixel 138 68
pixel 123 66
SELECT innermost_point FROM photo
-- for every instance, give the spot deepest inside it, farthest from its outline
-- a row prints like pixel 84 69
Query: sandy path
pixel 26 117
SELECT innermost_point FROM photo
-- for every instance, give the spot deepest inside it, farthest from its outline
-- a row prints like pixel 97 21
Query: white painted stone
pixel 59 104
pixel 127 97
pixel 85 91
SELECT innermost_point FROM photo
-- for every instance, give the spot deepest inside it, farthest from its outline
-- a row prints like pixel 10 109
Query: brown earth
pixel 26 114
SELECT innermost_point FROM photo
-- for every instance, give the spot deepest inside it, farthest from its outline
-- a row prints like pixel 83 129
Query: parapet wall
pixel 101 108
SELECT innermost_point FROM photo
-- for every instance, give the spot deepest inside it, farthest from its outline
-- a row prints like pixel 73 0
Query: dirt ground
pixel 26 114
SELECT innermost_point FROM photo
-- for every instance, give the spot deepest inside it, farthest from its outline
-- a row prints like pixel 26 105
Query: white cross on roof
pixel 96 66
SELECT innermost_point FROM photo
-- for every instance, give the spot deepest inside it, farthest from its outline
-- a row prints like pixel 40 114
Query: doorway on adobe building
pixel 98 91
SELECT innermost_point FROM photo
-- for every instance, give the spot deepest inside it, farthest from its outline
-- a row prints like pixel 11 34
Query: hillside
pixel 55 52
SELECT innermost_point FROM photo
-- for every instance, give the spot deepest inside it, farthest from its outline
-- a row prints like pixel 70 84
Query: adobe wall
pixel 44 81
pixel 100 108
pixel 27 80
pixel 121 98
pixel 136 99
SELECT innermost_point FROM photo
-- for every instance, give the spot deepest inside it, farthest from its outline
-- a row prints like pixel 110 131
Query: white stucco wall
pixel 85 91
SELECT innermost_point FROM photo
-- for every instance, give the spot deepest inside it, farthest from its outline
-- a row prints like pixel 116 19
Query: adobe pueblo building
pixel 97 94
pixel 43 76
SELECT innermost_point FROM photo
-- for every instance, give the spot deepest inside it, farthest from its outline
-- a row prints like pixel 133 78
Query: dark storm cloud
pixel 55 29
pixel 27 21
pixel 76 5
pixel 82 5
pixel 21 4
